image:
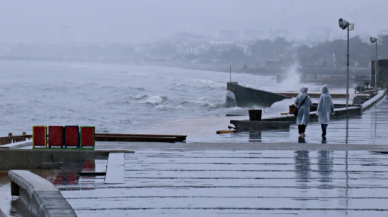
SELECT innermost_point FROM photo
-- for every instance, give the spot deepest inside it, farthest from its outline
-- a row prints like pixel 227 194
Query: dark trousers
pixel 301 128
pixel 323 127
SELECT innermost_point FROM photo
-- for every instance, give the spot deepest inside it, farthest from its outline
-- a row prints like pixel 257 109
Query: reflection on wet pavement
pixel 75 175
pixel 369 128
pixel 302 166
pixel 233 183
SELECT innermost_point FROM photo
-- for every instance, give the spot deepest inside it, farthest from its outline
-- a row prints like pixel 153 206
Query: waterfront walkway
pixel 236 183
pixel 269 173
pixel 368 128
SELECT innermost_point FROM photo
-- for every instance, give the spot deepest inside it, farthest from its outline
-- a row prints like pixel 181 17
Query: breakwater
pixel 249 97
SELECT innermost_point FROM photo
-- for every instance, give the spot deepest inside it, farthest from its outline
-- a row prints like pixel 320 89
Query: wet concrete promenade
pixel 272 175
pixel 269 173
pixel 235 183
pixel 368 128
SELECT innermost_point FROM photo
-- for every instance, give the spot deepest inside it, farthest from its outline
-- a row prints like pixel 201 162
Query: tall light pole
pixel 374 40
pixel 343 24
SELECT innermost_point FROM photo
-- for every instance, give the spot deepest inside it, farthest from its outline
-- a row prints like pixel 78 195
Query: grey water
pixel 114 98
pixel 150 99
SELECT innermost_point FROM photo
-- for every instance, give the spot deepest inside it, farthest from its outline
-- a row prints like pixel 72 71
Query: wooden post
pixel 24 136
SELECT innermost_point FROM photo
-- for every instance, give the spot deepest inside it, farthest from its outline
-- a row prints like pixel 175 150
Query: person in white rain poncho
pixel 325 108
pixel 303 103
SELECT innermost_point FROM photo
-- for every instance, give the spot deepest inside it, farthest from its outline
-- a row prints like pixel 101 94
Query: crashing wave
pixel 230 99
pixel 140 96
pixel 168 108
pixel 155 100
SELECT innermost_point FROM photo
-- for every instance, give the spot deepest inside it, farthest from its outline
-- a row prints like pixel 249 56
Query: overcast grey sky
pixel 133 21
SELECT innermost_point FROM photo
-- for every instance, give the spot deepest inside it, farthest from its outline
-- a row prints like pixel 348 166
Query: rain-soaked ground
pixel 235 179
pixel 185 180
pixel 235 183
pixel 368 128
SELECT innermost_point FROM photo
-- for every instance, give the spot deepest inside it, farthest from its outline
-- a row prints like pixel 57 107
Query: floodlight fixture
pixel 343 24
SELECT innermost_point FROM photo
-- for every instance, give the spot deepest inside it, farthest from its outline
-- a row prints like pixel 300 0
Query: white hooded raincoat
pixel 325 106
pixel 304 110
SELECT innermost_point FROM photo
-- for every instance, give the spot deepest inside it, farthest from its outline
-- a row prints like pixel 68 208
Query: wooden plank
pixel 218 192
pixel 12 139
pixel 111 138
pixel 179 137
pixel 225 131
pixel 115 169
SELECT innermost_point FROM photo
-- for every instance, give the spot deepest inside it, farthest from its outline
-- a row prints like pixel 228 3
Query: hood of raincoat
pixel 324 90
pixel 303 90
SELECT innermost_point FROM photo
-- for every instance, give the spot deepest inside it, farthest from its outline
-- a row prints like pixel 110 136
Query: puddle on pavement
pixel 79 175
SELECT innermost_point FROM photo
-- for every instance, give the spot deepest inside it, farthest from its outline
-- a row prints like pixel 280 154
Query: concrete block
pixel 247 125
pixel 33 158
pixel 374 100
pixel 339 113
pixel 40 196
pixel 115 169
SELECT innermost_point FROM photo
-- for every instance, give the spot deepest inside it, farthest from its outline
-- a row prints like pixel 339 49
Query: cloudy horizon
pixel 147 21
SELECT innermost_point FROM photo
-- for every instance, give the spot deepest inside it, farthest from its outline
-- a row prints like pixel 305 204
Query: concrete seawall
pixel 339 113
pixel 245 125
pixel 40 196
pixel 368 104
pixel 34 159
pixel 249 97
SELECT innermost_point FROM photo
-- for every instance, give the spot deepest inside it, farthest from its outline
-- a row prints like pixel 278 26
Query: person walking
pixel 325 108
pixel 303 104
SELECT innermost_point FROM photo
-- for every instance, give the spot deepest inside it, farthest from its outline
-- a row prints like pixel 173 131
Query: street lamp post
pixel 343 24
pixel 374 40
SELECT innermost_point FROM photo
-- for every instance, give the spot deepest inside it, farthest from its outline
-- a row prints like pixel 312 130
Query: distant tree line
pixel 333 53
pixel 256 53
pixel 278 52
